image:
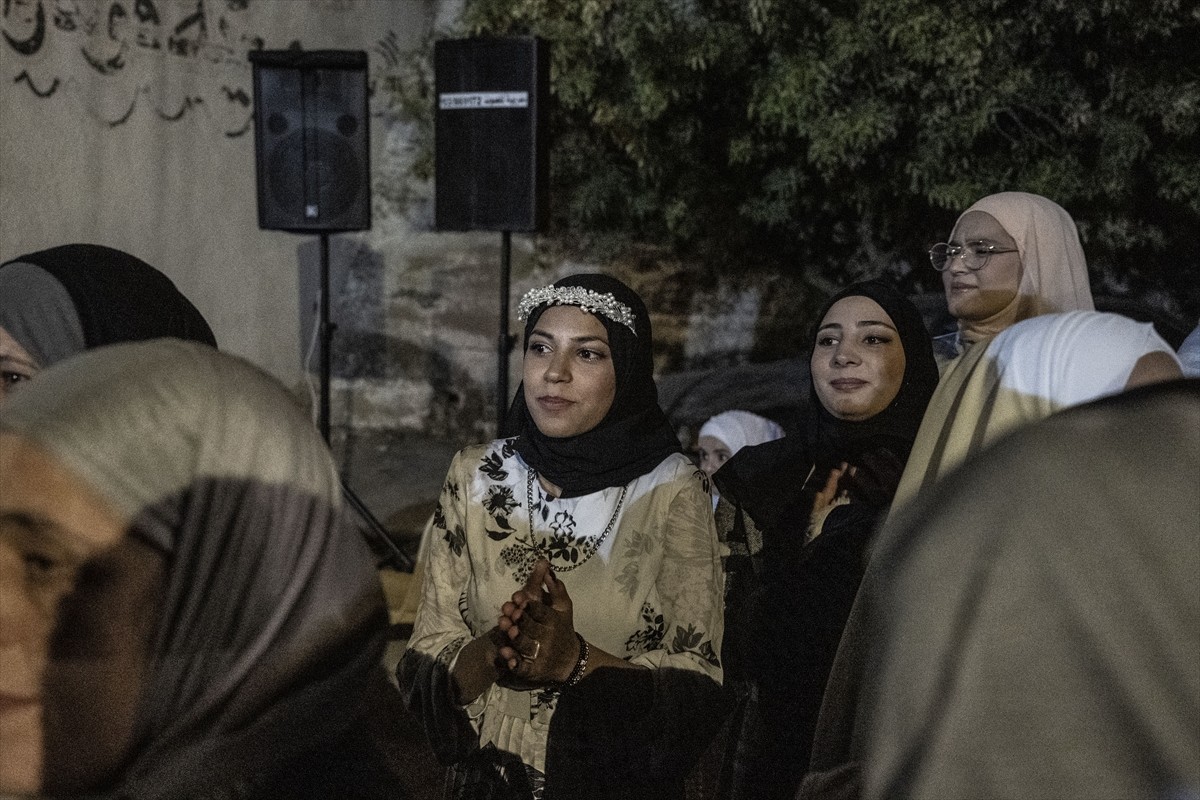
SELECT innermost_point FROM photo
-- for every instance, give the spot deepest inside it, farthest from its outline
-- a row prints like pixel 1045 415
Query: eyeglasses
pixel 974 255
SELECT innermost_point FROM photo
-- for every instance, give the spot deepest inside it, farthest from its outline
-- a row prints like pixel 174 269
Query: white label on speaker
pixel 311 212
pixel 457 101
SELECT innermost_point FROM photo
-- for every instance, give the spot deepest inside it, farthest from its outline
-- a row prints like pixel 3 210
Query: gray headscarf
pixel 273 615
pixel 36 310
pixel 67 299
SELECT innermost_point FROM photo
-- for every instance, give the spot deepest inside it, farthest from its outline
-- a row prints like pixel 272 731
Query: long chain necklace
pixel 590 544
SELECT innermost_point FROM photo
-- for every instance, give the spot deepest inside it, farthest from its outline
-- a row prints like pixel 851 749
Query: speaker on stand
pixel 491 164
pixel 313 175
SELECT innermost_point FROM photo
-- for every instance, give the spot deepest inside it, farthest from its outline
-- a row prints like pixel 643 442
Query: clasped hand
pixel 537 645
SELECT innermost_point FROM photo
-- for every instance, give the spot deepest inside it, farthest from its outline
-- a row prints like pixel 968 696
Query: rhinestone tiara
pixel 586 299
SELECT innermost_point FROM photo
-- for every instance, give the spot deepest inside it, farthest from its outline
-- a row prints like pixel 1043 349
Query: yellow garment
pixel 967 411
pixel 1024 374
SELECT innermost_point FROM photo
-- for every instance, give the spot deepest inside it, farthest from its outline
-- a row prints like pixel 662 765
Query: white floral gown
pixel 649 591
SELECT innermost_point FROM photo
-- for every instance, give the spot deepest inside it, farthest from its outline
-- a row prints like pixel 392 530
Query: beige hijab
pixel 271 625
pixel 1073 642
pixel 1054 274
pixel 968 410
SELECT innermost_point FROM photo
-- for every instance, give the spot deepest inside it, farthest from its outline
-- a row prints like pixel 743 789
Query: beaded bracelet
pixel 577 673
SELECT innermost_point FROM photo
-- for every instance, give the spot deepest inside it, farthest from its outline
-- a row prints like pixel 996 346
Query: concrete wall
pixel 129 123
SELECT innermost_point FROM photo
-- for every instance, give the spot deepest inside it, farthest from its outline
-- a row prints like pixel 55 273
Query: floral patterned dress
pixel 641 563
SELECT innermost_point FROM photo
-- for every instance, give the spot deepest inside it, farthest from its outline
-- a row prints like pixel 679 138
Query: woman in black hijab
pixel 803 510
pixel 607 690
pixel 58 302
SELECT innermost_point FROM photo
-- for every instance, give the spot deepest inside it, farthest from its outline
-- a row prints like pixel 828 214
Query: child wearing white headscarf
pixel 734 430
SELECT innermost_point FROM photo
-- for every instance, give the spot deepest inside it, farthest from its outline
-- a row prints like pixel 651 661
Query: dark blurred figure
pixel 1038 631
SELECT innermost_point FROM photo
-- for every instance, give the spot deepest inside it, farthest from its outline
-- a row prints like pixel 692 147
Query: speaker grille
pixel 331 182
pixel 311 140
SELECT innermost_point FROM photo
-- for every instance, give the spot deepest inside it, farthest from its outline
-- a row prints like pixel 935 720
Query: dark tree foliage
pixel 841 139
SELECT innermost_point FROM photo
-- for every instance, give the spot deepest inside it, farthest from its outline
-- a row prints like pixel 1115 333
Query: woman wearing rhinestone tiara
pixel 567 640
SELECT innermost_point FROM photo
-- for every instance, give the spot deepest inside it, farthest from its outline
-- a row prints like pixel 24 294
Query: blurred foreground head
pixel 1039 610
pixel 185 602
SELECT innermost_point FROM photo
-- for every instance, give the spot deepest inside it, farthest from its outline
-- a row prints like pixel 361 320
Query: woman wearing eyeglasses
pixel 1012 258
pixel 1029 343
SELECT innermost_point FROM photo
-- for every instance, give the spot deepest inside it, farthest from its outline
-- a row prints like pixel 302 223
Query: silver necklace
pixel 590 544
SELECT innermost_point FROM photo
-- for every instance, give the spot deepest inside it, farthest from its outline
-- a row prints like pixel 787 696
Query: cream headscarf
pixel 1054 274
pixel 968 411
pixel 271 625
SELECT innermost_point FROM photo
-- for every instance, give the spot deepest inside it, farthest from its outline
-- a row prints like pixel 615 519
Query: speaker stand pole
pixel 504 344
pixel 325 331
pixel 400 559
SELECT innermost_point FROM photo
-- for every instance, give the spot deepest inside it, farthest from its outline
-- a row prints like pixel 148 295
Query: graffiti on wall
pixel 115 56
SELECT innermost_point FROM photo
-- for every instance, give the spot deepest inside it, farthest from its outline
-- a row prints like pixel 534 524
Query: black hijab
pixel 764 479
pixel 634 436
pixel 117 298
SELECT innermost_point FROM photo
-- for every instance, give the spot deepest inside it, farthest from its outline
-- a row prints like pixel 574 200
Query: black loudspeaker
pixel 491 164
pixel 311 143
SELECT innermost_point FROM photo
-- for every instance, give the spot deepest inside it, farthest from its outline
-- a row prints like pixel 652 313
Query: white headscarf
pixel 738 429
pixel 1029 371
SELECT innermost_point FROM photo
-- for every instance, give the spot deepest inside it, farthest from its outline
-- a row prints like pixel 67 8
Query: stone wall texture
pixel 131 125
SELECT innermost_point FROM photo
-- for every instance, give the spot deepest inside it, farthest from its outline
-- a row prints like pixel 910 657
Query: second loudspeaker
pixel 491 165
